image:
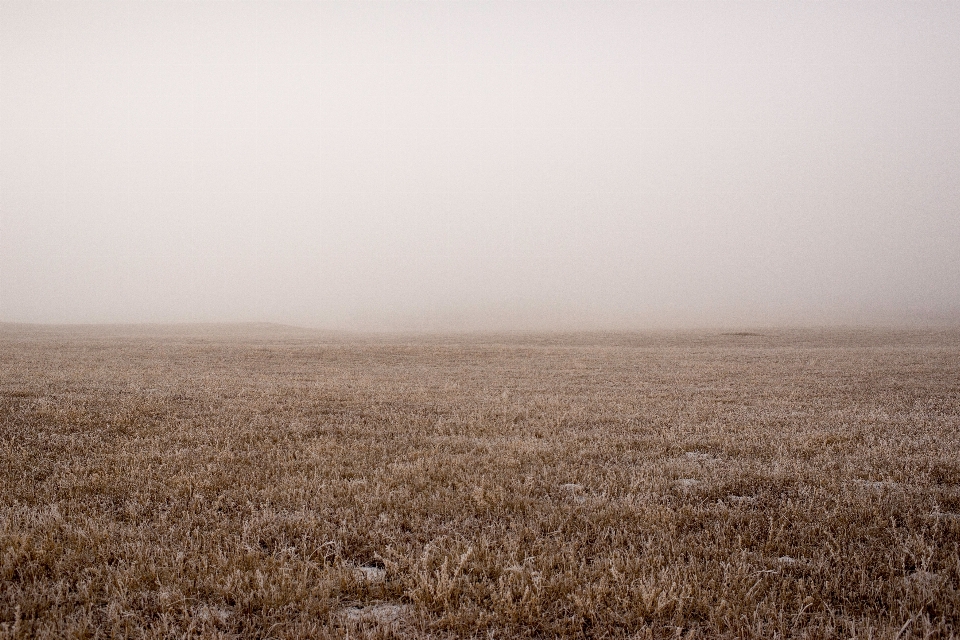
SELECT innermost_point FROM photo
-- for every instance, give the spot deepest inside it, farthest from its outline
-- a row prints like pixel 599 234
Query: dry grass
pixel 195 482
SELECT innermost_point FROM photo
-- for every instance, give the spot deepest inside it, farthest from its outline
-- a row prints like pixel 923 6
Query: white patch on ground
pixel 371 575
pixel 574 492
pixel 881 485
pixel 924 580
pixel 212 614
pixel 383 613
pixel 742 500
pixel 787 560
pixel 687 483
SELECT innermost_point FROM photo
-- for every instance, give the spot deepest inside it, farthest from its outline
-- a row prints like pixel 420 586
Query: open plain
pixel 261 481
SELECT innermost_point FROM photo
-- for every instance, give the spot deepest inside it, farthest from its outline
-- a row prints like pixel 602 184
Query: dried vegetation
pixel 265 483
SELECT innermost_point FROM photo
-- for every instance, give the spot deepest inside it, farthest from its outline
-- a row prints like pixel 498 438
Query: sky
pixel 480 165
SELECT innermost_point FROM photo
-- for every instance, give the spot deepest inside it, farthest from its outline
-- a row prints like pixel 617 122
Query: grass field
pixel 269 482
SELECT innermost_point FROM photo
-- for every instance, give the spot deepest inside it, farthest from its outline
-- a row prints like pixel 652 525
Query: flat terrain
pixel 270 482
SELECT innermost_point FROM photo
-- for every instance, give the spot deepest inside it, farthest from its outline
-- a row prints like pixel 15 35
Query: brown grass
pixel 189 482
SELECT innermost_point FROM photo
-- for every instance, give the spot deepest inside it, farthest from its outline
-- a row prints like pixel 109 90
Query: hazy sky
pixel 462 165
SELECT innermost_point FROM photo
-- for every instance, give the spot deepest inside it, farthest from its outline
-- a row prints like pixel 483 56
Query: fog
pixel 468 165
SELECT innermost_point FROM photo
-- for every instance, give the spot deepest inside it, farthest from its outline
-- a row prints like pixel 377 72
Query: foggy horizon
pixel 480 166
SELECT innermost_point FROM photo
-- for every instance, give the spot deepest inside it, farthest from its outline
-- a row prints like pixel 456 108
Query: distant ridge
pixel 187 330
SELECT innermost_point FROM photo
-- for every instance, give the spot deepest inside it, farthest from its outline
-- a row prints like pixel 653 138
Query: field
pixel 258 481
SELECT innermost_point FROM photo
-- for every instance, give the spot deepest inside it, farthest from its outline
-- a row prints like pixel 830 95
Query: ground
pixel 259 481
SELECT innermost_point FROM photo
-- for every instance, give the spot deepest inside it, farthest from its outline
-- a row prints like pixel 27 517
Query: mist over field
pixel 462 165
pixel 460 319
